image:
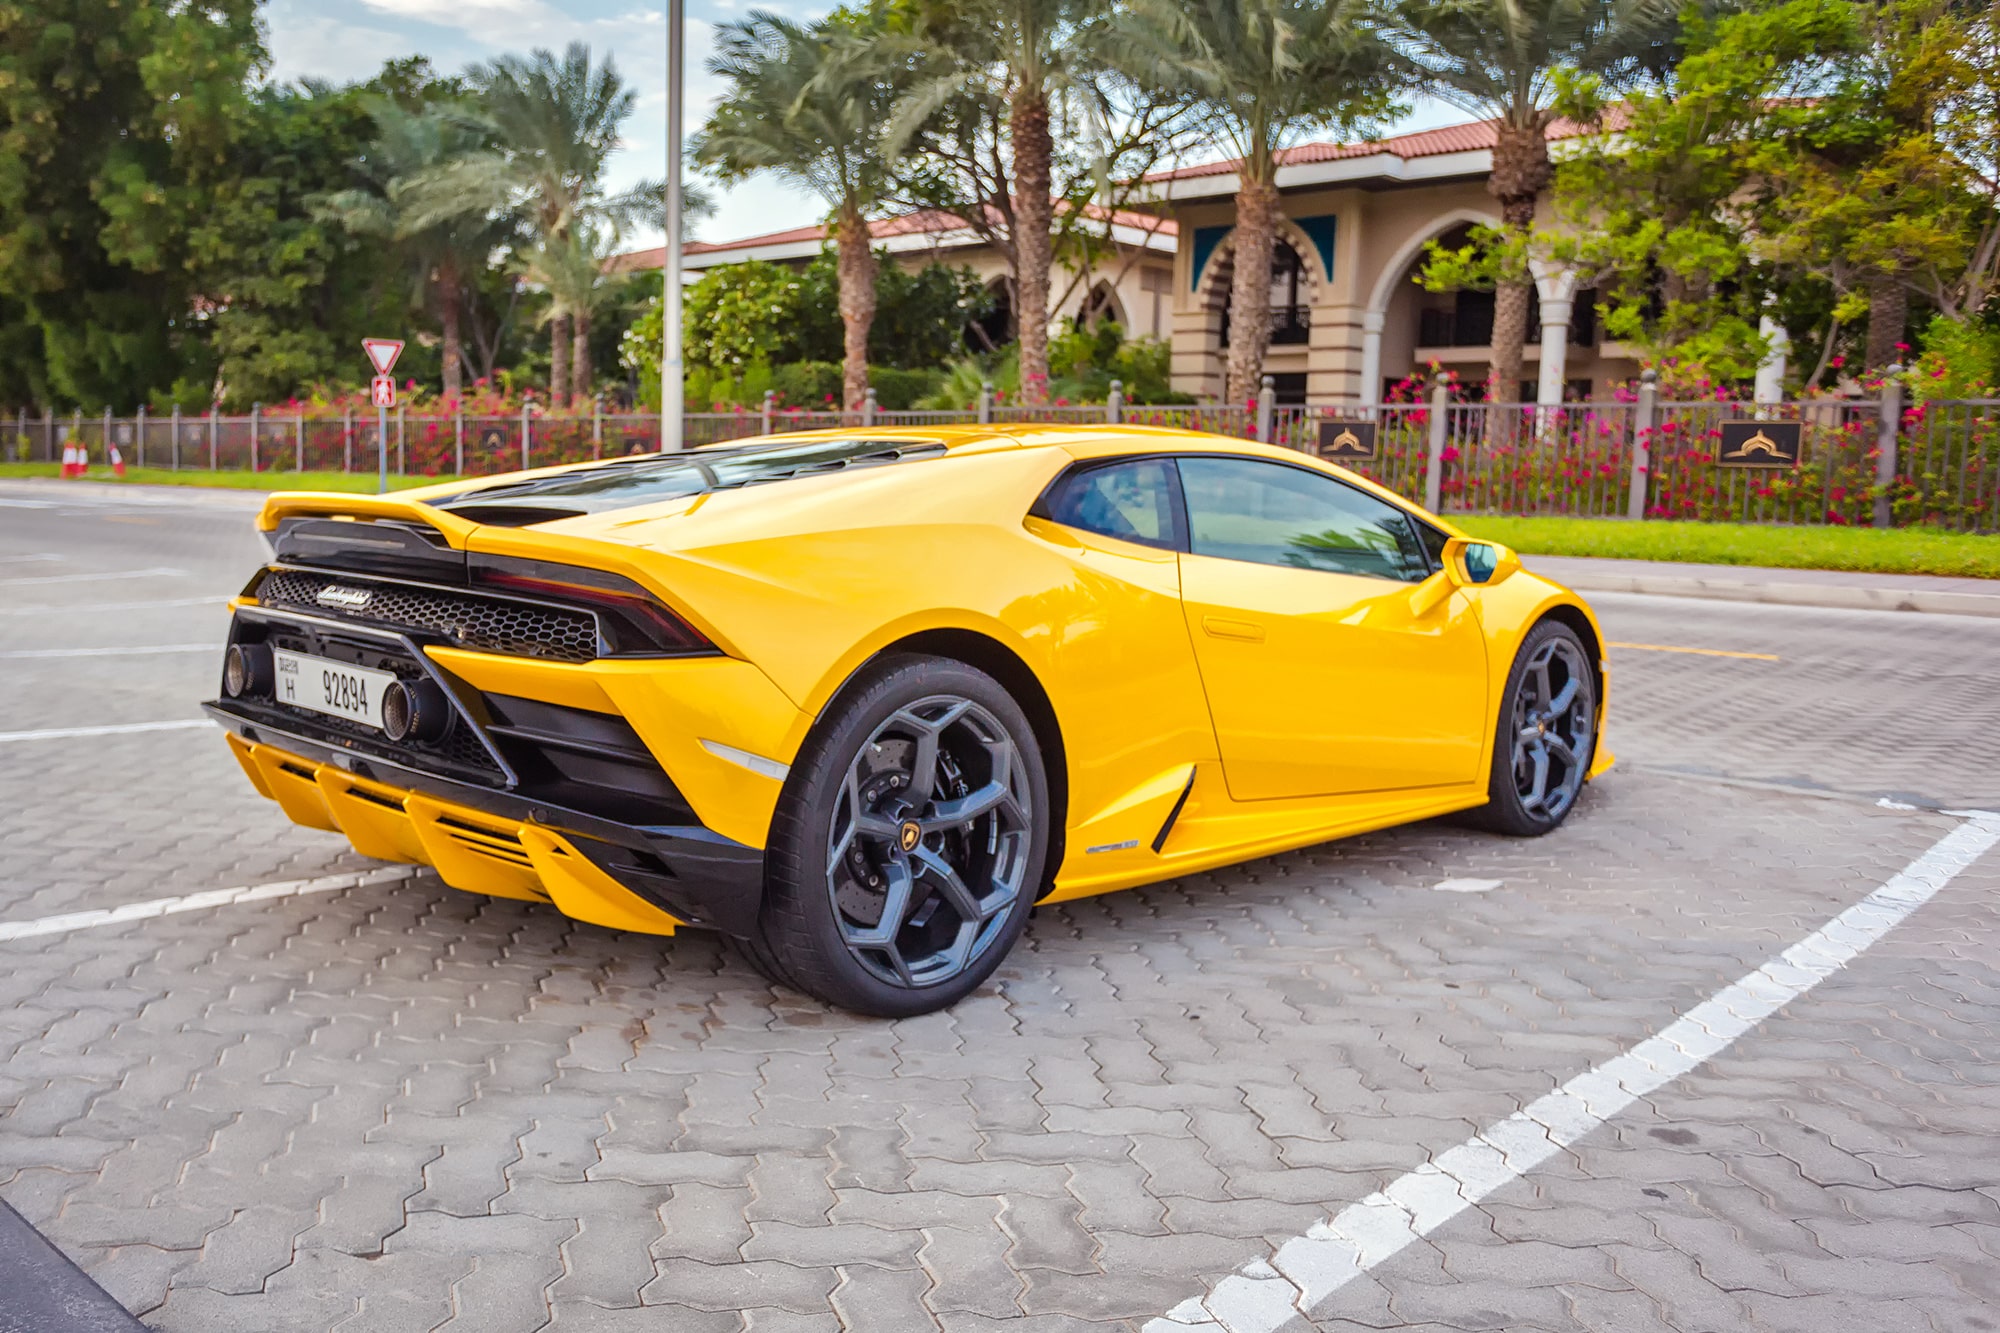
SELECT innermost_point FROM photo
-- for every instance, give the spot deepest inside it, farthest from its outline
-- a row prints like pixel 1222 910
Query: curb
pixel 43 1291
pixel 1834 596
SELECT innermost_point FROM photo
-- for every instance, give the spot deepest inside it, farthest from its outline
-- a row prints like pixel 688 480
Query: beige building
pixel 1131 280
pixel 1347 319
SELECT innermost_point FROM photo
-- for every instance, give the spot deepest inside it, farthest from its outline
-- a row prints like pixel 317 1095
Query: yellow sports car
pixel 859 699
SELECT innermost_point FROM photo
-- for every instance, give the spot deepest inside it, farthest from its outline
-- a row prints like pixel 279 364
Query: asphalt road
pixel 398 1106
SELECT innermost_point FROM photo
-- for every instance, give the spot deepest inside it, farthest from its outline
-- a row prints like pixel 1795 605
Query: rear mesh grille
pixel 489 624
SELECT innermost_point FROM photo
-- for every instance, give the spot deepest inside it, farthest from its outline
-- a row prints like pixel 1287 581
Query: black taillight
pixel 637 623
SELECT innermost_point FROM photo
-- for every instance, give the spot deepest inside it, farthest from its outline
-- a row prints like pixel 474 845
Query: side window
pixel 1131 501
pixel 1271 514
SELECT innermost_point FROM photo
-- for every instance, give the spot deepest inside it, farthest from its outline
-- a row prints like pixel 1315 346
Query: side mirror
pixel 1477 564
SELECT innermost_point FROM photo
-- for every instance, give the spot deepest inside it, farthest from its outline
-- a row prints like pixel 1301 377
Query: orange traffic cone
pixel 117 461
pixel 69 459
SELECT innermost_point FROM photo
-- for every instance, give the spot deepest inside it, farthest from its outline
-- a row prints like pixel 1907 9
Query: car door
pixel 1332 662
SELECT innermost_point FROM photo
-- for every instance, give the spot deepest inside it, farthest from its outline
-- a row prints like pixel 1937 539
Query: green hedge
pixel 813 385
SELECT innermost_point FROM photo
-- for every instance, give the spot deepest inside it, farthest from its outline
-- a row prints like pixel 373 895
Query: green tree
pixel 439 255
pixel 1662 209
pixel 1501 59
pixel 807 102
pixel 995 70
pixel 1262 71
pixel 1889 190
pixel 552 123
pixel 570 270
pixel 115 116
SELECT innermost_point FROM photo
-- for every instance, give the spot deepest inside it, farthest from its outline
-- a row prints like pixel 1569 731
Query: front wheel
pixel 909 843
pixel 1546 734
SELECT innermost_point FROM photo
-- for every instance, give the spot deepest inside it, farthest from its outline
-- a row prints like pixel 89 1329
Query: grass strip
pixel 360 483
pixel 1862 550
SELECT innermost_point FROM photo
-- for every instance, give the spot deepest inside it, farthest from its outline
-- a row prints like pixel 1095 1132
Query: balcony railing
pixel 1474 328
pixel 1291 325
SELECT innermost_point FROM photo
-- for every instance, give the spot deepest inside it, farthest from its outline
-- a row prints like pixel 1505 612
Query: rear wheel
pixel 908 845
pixel 1546 734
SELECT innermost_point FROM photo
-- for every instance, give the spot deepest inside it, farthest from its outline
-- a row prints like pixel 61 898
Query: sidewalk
pixel 1789 587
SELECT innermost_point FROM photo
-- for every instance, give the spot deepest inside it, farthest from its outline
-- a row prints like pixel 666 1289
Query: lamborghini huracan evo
pixel 860 699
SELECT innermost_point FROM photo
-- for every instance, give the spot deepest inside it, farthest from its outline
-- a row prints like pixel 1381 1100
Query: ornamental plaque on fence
pixel 1759 444
pixel 493 439
pixel 1342 441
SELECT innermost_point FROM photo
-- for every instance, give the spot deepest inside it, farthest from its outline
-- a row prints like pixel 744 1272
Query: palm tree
pixel 553 123
pixel 442 253
pixel 1263 70
pixel 571 270
pixel 1499 59
pixel 808 102
pixel 1020 53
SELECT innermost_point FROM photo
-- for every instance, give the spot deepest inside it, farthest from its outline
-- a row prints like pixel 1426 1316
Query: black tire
pixel 859 832
pixel 1544 737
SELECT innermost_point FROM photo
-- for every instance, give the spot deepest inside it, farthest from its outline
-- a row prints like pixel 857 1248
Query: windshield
pixel 656 477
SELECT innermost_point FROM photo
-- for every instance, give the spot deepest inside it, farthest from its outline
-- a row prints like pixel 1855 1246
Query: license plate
pixel 326 686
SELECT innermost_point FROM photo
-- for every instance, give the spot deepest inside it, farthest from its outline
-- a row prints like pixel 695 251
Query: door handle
pixel 1223 628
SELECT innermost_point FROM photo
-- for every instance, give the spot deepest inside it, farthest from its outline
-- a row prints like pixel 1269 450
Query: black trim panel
pixel 1173 815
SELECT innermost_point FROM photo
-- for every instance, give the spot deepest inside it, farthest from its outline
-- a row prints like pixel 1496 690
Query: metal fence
pixel 1861 461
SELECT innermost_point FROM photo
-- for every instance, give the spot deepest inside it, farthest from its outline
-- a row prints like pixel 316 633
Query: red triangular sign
pixel 383 352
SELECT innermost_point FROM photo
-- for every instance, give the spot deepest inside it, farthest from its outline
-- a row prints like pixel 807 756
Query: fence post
pixel 869 407
pixel 1644 417
pixel 402 430
pixel 139 437
pixel 770 407
pixel 458 439
pixel 20 440
pixel 1114 403
pixel 49 434
pixel 211 437
pixel 1267 406
pixel 174 439
pixel 256 424
pixel 527 435
pixel 107 437
pixel 76 434
pixel 299 441
pixel 347 438
pixel 1440 430
pixel 597 426
pixel 1885 446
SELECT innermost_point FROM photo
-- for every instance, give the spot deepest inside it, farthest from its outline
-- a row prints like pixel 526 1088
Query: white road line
pixel 1267 1295
pixel 70 922
pixel 122 729
pixel 79 608
pixel 157 572
pixel 26 559
pixel 23 654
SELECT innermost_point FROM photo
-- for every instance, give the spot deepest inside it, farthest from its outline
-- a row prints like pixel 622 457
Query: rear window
pixel 656 477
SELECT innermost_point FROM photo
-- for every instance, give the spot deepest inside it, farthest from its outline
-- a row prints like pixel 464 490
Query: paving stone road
pixel 404 1107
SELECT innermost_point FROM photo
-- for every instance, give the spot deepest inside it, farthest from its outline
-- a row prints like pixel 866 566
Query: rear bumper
pixel 490 840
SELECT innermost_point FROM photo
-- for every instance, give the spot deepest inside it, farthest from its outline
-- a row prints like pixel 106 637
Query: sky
pixel 350 39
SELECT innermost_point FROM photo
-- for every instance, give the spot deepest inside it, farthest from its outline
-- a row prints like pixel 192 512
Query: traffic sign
pixel 383 352
pixel 383 390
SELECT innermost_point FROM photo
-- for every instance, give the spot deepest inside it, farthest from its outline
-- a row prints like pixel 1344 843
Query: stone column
pixel 1771 370
pixel 1372 324
pixel 1557 287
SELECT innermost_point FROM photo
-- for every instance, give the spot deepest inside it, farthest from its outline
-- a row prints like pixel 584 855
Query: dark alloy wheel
pixel 1547 734
pixel 909 844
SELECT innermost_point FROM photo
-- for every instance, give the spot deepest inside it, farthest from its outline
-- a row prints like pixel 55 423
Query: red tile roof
pixel 928 221
pixel 1469 137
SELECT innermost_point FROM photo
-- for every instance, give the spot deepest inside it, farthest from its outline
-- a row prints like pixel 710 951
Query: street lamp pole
pixel 671 379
